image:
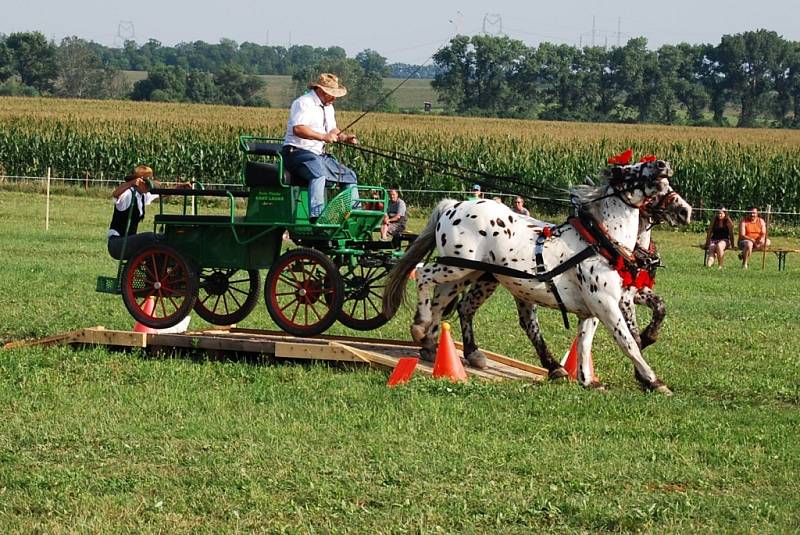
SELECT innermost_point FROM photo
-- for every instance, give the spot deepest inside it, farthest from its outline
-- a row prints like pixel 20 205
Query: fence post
pixel 86 181
pixel 47 209
pixel 766 235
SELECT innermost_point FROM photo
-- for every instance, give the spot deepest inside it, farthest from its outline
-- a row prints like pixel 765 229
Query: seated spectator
pixel 394 222
pixel 519 206
pixel 752 236
pixel 374 204
pixel 475 193
pixel 497 199
pixel 719 237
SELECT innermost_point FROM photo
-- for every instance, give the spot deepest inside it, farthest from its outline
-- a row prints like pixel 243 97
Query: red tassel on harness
pixel 623 158
pixel 648 158
pixel 644 280
pixel 547 232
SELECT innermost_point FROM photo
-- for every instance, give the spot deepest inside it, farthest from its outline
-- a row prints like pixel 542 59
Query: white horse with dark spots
pixel 578 267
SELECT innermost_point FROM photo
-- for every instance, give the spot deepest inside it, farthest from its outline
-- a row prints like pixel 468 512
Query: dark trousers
pixel 135 244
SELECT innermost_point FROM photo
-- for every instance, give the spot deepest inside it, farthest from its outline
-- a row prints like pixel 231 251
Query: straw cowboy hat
pixel 142 171
pixel 330 84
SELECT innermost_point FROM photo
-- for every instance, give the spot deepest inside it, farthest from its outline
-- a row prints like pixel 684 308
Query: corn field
pixel 95 139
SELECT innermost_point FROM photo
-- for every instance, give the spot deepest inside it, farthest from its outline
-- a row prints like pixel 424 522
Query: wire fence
pixel 418 200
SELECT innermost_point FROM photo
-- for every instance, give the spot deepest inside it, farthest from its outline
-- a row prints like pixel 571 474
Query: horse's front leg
pixel 628 307
pixel 586 330
pixel 529 322
pixel 646 296
pixel 480 291
pixel 606 308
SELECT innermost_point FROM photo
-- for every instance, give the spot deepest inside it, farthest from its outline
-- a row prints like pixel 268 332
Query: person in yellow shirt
pixel 752 236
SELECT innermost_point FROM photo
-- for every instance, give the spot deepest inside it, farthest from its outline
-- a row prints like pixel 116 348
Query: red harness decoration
pixel 623 262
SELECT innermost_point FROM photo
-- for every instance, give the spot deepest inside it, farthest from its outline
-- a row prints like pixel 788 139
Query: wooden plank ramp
pixel 374 352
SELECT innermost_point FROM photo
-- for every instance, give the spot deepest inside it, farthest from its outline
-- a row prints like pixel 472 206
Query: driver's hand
pixel 330 138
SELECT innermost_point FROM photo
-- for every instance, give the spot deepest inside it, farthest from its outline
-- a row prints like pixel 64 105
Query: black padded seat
pixel 264 175
pixel 264 149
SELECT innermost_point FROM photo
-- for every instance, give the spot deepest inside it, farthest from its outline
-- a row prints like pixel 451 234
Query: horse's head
pixel 645 185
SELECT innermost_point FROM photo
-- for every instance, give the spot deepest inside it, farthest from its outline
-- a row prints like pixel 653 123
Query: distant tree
pixel 689 88
pixel 82 73
pixel 33 59
pixel 455 85
pixel 750 62
pixel 163 84
pixel 200 87
pixel 238 89
pixel 6 61
pixel 549 72
pixel 13 87
pixel 367 85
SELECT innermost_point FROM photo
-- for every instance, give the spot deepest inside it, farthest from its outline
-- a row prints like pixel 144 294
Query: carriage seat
pixel 263 149
pixel 265 175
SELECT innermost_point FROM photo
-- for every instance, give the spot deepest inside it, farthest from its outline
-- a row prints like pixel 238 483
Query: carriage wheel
pixel 363 296
pixel 303 292
pixel 227 296
pixel 159 287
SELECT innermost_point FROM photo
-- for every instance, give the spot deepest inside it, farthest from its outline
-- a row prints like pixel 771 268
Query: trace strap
pixel 546 277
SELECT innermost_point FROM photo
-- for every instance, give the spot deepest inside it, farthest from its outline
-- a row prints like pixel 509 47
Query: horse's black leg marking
pixel 529 322
pixel 481 290
pixel 650 333
pixel 628 309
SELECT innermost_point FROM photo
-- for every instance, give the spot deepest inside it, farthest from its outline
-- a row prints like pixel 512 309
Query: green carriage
pixel 211 263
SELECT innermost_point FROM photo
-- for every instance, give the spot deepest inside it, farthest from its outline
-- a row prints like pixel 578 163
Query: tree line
pixel 755 74
pixel 225 73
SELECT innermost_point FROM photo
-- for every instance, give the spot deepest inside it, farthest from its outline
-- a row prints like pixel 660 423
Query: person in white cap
pixel 312 124
pixel 475 192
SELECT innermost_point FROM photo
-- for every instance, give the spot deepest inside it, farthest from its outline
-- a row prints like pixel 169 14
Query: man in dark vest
pixel 130 200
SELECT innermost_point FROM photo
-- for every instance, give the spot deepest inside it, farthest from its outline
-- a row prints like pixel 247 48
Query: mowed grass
pixel 94 441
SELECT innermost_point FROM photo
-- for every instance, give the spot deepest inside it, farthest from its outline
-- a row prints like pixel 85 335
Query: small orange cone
pixel 148 307
pixel 403 371
pixel 447 364
pixel 570 361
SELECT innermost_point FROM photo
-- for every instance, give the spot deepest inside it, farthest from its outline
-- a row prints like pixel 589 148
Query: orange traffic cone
pixel 403 371
pixel 147 307
pixel 447 364
pixel 570 361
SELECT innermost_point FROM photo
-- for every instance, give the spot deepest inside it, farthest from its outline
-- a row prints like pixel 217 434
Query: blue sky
pixel 408 31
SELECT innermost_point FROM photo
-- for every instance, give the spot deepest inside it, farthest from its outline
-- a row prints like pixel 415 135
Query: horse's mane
pixel 585 194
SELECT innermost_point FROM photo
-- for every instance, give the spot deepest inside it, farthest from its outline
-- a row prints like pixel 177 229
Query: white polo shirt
pixel 308 110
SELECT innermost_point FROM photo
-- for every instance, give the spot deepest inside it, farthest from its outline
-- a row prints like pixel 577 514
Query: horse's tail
pixel 395 291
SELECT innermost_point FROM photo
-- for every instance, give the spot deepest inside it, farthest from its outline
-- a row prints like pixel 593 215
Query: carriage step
pixel 107 285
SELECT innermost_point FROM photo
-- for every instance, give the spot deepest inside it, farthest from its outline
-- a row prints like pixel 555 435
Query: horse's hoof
pixel 478 360
pixel 596 385
pixel 658 387
pixel 427 354
pixel 557 374
pixel 418 333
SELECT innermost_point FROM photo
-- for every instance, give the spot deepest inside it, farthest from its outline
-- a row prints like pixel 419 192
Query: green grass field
pixel 94 441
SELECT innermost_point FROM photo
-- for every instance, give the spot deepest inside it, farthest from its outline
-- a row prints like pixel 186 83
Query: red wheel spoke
pixel 288 304
pixel 293 283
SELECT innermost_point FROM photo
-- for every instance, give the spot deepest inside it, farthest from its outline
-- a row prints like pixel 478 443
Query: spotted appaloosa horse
pixel 490 237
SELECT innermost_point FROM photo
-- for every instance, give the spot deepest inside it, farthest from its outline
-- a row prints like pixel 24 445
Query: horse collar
pixel 596 235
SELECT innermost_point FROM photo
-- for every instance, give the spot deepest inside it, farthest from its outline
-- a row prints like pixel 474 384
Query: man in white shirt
pixel 312 124
pixel 133 195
